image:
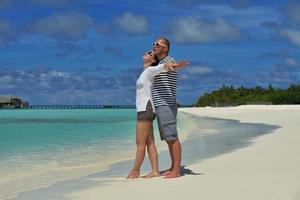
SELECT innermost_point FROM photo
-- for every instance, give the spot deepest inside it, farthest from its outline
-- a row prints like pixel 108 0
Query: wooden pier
pixel 81 107
pixel 87 106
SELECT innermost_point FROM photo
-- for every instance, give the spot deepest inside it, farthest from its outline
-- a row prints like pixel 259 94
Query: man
pixel 164 100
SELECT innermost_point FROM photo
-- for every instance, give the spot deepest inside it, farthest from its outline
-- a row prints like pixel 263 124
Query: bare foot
pixel 173 174
pixel 133 175
pixel 165 173
pixel 152 175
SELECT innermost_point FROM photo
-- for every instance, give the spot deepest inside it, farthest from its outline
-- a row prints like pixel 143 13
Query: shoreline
pixel 267 169
pixel 93 186
pixel 102 167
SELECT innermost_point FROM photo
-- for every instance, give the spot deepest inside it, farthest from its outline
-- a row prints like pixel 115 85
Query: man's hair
pixel 167 42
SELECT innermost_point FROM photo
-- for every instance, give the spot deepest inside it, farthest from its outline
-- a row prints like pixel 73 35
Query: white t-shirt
pixel 144 86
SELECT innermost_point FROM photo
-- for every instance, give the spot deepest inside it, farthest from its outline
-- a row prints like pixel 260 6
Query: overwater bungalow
pixel 8 102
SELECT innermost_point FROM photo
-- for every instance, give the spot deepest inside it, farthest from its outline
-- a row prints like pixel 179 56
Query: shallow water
pixel 40 147
pixel 207 138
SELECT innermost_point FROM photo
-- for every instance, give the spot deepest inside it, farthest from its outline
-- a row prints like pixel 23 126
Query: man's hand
pixel 170 66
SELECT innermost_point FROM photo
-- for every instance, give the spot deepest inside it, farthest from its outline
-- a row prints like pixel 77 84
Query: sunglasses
pixel 158 44
pixel 150 52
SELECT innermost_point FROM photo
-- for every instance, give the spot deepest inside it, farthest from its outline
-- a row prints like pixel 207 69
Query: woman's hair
pixel 154 63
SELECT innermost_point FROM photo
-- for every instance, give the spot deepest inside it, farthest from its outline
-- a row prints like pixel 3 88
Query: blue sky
pixel 89 52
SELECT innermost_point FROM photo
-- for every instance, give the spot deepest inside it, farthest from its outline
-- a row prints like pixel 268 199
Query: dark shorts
pixel 146 116
pixel 167 122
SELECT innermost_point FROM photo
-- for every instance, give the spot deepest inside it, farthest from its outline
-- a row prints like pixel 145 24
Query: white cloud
pixel 291 62
pixel 196 71
pixel 59 74
pixel 133 24
pixel 283 74
pixel 293 36
pixel 197 30
pixel 75 88
pixel 5 79
pixel 199 70
pixel 71 25
pixel 287 26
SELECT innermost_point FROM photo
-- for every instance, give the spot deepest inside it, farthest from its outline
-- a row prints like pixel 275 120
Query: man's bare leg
pixel 172 160
pixel 175 150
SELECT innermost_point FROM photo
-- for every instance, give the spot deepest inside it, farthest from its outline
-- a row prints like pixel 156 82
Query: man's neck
pixel 162 56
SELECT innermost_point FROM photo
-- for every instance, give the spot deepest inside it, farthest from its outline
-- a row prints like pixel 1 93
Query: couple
pixel 156 96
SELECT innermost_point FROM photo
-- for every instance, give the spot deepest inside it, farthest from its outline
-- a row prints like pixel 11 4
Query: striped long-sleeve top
pixel 165 86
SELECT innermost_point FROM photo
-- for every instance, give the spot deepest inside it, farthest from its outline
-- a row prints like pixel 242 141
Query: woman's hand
pixel 170 66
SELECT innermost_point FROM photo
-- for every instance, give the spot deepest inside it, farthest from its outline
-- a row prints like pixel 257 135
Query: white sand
pixel 267 169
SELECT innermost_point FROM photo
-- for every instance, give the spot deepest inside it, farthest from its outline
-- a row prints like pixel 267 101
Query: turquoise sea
pixel 67 149
pixel 40 147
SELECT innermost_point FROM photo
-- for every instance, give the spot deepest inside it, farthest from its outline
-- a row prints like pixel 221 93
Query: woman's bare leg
pixel 142 132
pixel 152 154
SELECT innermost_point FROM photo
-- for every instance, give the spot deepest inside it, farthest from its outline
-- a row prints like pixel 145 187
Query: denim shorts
pixel 167 122
pixel 146 116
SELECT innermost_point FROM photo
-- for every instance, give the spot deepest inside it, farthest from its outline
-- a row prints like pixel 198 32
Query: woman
pixel 146 115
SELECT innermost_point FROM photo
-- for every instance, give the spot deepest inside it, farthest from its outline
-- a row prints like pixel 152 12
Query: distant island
pixel 230 96
pixel 225 96
pixel 15 102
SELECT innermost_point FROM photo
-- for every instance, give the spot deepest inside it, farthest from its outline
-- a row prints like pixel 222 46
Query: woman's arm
pixel 169 66
pixel 153 71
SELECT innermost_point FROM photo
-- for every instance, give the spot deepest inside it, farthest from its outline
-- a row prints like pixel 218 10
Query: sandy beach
pixel 266 169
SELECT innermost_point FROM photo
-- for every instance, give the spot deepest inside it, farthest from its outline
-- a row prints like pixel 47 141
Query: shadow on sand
pixel 184 171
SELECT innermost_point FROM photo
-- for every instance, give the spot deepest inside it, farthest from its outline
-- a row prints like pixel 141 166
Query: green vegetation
pixel 229 96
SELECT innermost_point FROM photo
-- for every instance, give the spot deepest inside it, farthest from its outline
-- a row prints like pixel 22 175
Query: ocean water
pixel 71 149
pixel 40 147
